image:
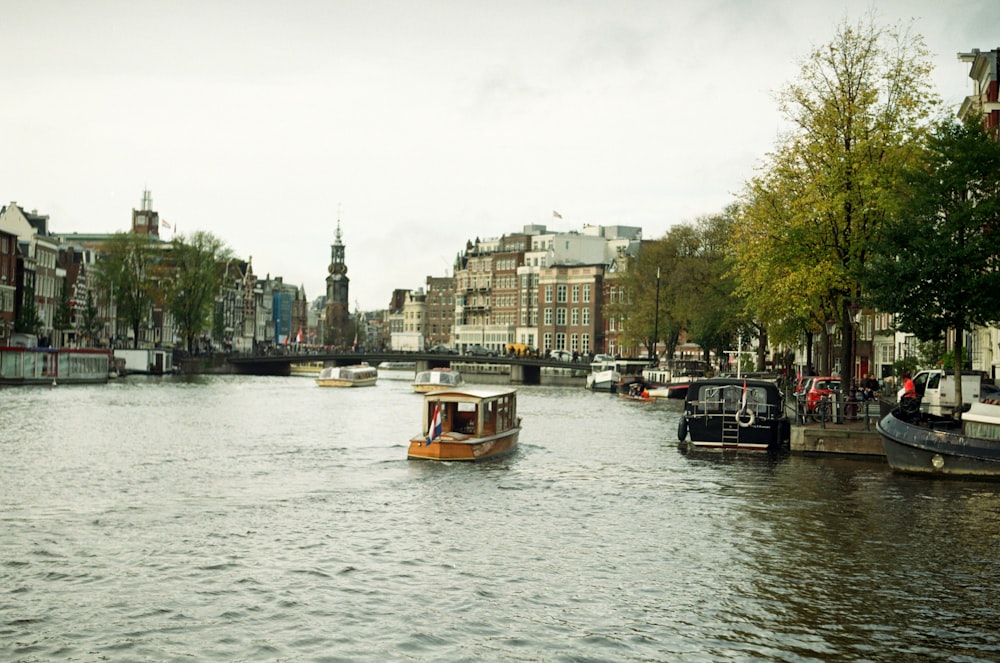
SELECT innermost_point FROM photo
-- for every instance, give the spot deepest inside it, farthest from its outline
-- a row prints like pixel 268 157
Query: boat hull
pixel 603 380
pixel 457 447
pixel 710 435
pixel 340 382
pixel 734 414
pixel 914 449
pixel 48 366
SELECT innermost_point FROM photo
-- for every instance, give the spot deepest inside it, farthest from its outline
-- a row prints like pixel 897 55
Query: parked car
pixel 480 351
pixel 442 350
pixel 820 387
pixel 561 355
pixel 802 388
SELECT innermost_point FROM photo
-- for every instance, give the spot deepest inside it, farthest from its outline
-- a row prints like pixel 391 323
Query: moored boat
pixel 603 374
pixel 437 378
pixel 467 425
pixel 734 413
pixel 24 366
pixel 944 447
pixel 397 370
pixel 357 375
pixel 310 369
pixel 671 380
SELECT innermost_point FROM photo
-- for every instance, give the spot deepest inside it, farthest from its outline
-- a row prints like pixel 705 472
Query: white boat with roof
pixel 437 378
pixel 467 425
pixel 357 375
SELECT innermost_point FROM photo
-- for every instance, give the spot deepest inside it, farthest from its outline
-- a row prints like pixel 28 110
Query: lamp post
pixel 855 312
pixel 656 321
pixel 831 328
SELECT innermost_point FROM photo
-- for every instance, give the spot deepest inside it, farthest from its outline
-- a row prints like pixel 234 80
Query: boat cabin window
pixel 729 398
pixel 506 412
pixel 465 418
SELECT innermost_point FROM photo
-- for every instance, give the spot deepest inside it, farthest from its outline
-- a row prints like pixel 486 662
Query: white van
pixel 936 388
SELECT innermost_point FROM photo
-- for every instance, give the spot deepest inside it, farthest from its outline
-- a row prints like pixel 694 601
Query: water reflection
pixel 264 518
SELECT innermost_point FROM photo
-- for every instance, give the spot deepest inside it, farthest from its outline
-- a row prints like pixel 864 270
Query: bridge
pixel 523 370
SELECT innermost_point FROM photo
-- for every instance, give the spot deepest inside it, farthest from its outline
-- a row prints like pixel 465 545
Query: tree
pixel 198 266
pixel 937 264
pixel 63 318
pixel 859 111
pixel 714 316
pixel 688 270
pixel 124 273
pixel 89 324
pixel 27 320
pixel 652 272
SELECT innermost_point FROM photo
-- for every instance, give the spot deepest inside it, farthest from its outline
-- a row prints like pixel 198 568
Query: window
pixel 585 342
pixel 575 316
pixel 561 294
pixel 560 341
pixel 576 293
pixel 561 317
pixel 586 316
pixel 548 316
pixel 548 294
pixel 586 294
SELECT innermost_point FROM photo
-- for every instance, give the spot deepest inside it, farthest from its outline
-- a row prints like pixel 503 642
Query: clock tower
pixel 338 332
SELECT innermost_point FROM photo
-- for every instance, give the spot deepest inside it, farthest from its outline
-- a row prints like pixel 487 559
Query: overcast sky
pixel 425 123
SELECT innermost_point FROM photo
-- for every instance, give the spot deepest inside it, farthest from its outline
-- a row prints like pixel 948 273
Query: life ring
pixel 751 417
pixel 682 429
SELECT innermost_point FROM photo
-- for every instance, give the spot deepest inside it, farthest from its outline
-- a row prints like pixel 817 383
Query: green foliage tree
pixel 712 315
pixel 858 110
pixel 63 317
pixel 198 267
pixel 124 273
pixel 936 265
pixel 650 273
pixel 688 269
pixel 88 322
pixel 27 320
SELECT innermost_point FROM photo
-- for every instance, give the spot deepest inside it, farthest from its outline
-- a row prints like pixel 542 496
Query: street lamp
pixel 656 323
pixel 831 328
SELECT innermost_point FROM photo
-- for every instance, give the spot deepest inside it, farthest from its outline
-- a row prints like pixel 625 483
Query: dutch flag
pixel 435 429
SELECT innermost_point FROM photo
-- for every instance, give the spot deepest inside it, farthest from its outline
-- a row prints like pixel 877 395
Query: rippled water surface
pixel 245 519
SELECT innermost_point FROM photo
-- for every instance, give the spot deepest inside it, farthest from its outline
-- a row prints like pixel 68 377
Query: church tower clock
pixel 338 330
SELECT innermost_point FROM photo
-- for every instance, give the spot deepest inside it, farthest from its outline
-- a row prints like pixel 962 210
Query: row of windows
pixel 579 293
pixel 577 342
pixel 578 316
pixel 507 264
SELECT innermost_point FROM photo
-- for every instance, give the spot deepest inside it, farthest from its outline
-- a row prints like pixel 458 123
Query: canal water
pixel 262 519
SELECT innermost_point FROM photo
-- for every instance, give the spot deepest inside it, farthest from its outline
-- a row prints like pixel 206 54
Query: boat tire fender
pixel 682 429
pixel 746 417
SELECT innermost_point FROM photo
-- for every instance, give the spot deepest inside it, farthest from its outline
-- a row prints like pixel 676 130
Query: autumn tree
pixel 123 271
pixel 857 112
pixel 197 267
pixel 88 322
pixel 679 283
pixel 712 315
pixel 27 320
pixel 63 318
pixel 936 264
